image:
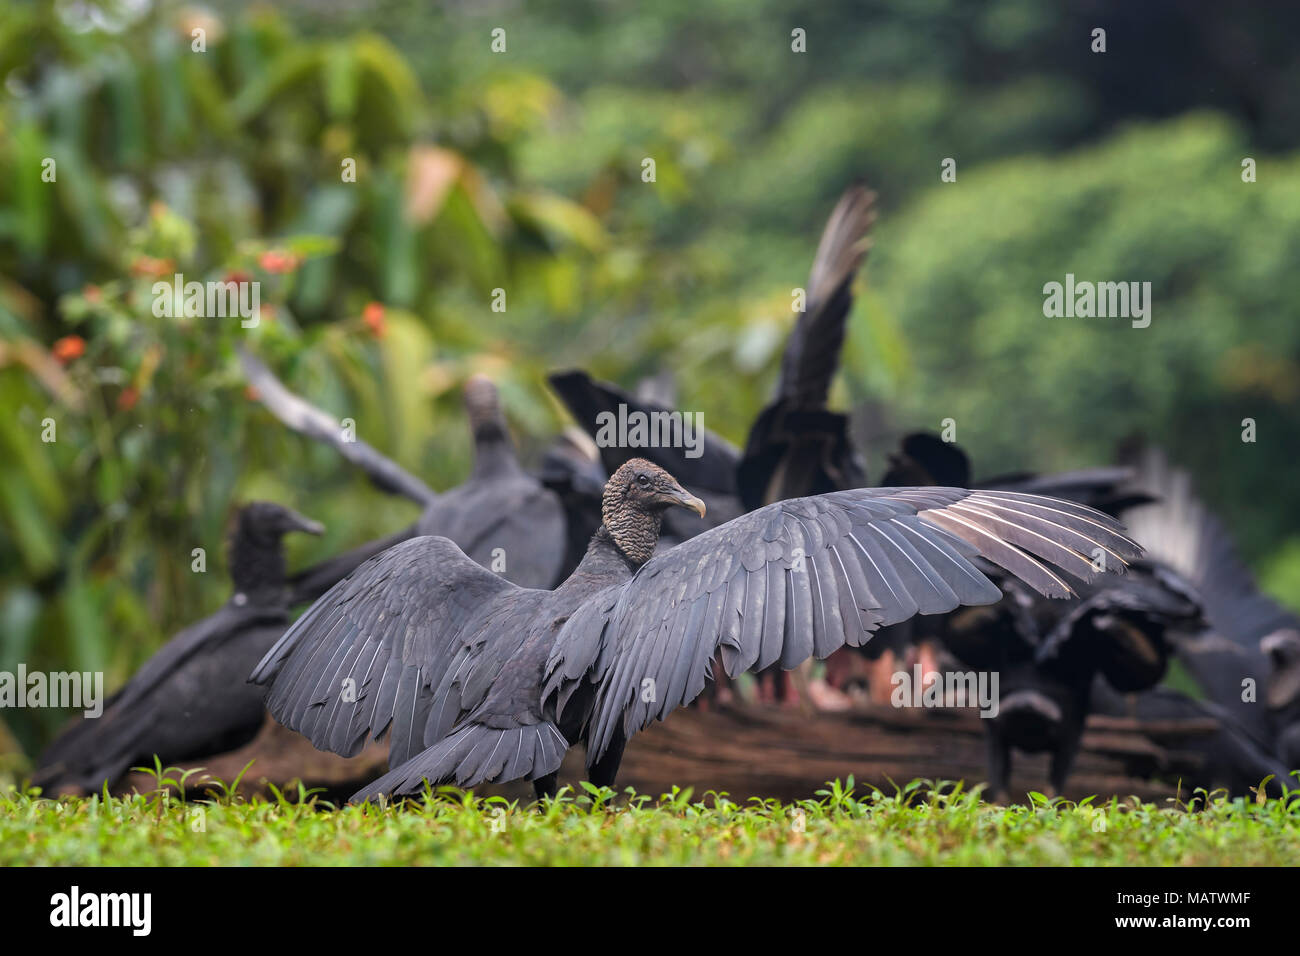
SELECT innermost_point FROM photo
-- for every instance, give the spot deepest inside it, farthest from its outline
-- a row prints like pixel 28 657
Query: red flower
pixel 93 293
pixel 127 398
pixel 277 261
pixel 154 268
pixel 373 316
pixel 238 276
pixel 69 347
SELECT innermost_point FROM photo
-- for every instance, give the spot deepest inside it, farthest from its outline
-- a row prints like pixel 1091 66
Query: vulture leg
pixel 545 786
pixel 603 771
pixel 1063 761
pixel 999 755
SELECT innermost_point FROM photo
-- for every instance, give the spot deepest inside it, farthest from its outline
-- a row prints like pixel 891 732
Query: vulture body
pixel 192 697
pixel 477 680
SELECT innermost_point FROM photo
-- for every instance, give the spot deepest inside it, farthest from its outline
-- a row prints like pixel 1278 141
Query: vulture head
pixel 635 498
pixel 267 522
pixel 483 403
pixel 256 552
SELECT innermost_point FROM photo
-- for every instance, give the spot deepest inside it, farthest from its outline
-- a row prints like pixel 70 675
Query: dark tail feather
pixel 812 352
pixel 475 754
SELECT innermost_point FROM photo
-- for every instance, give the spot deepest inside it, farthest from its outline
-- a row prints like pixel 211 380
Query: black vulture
pixel 476 680
pixel 1050 655
pixel 1240 660
pixel 501 516
pixel 191 698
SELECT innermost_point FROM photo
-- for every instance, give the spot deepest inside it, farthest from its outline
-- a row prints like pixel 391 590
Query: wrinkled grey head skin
pixel 635 498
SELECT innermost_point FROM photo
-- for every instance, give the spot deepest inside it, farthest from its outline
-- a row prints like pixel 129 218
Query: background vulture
pixel 192 697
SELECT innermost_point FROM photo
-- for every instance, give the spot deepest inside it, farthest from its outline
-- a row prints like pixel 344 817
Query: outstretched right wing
pixel 409 641
pixel 802 578
pixel 307 419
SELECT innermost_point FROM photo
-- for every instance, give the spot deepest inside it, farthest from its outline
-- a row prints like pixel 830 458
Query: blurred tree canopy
pixel 522 171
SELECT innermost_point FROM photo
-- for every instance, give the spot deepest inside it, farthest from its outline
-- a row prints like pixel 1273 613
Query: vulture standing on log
pixel 192 697
pixel 501 516
pixel 477 680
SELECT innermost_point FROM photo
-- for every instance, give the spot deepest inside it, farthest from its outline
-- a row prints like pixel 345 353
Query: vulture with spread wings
pixel 477 680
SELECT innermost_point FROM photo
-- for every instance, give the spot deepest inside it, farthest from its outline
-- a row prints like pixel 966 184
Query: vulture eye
pixel 642 480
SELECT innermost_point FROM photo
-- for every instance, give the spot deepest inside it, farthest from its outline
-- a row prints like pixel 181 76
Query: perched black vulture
pixel 501 516
pixel 477 680
pixel 192 697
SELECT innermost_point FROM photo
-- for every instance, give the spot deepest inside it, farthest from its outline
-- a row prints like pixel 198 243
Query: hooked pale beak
pixel 683 498
pixel 299 522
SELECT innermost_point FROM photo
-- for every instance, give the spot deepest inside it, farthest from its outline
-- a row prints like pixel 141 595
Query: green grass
pixel 922 823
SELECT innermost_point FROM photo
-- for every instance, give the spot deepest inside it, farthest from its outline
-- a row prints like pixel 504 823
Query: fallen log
pixel 762 751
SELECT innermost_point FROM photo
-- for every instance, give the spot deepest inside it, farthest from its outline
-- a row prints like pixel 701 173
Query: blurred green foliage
pixel 522 171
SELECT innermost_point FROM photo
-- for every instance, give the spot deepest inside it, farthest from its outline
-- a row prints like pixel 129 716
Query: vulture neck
pixel 603 564
pixel 494 456
pixel 257 566
pixel 634 532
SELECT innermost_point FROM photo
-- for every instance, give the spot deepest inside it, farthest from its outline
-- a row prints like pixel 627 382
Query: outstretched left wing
pixel 803 577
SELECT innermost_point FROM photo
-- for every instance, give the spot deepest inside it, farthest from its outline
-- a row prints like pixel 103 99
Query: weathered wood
pixel 747 750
